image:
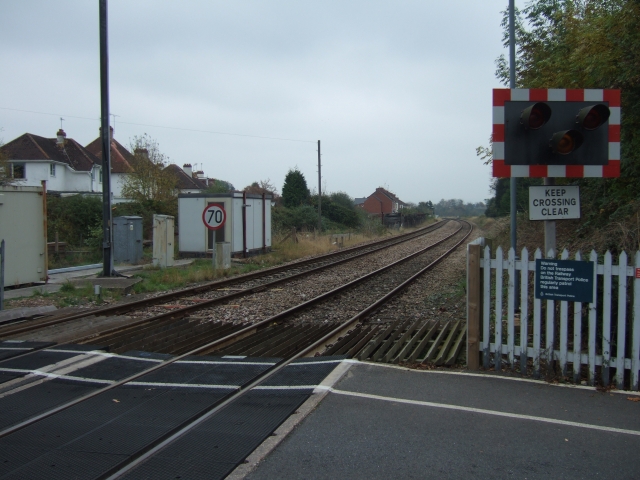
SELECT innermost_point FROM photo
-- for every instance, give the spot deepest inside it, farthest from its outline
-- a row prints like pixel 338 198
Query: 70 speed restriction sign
pixel 214 217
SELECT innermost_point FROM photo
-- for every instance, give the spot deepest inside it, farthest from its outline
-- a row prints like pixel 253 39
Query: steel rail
pixel 138 304
pixel 153 448
pixel 201 349
pixel 178 313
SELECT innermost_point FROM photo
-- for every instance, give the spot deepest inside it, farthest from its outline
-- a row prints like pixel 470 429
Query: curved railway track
pixel 310 327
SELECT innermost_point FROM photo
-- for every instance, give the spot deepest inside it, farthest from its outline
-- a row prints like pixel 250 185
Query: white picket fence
pixel 600 337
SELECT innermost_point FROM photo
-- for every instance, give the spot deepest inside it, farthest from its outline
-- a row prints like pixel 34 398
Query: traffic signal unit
pixel 556 133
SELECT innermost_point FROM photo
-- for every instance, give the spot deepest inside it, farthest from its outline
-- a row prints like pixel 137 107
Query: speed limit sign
pixel 214 217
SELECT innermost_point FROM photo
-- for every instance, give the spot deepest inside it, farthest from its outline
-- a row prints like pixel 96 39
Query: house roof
pixel 121 158
pixel 34 147
pixel 186 182
pixel 389 194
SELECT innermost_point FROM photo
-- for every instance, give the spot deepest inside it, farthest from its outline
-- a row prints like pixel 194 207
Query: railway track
pixel 175 333
pixel 300 331
pixel 217 291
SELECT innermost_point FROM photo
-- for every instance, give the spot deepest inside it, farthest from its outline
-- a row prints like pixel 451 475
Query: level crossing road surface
pixel 108 433
pixel 385 422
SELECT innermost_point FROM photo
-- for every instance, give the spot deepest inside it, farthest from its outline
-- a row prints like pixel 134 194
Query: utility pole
pixel 513 185
pixel 319 192
pixel 105 134
pixel 513 181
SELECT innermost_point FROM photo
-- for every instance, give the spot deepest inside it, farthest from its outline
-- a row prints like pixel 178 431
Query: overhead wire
pixel 166 127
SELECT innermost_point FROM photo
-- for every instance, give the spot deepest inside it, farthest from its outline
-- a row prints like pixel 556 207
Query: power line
pixel 166 127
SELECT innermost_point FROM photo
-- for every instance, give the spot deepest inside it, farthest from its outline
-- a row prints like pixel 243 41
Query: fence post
pixel 474 296
pixel 606 320
pixel 524 310
pixel 2 274
pixel 622 320
pixel 635 342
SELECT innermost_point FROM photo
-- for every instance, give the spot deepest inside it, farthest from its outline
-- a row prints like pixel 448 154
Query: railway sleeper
pixel 194 336
pixel 168 343
pixel 306 337
pixel 190 343
pixel 148 332
pixel 253 340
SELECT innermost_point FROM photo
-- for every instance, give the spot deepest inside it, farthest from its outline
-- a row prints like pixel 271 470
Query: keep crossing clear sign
pixel 569 280
pixel 554 203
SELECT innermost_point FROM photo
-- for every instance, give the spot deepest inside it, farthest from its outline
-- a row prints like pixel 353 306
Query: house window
pixel 52 170
pixel 100 175
pixel 18 170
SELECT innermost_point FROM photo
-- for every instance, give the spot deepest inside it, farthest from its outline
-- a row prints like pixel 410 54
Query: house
pixel 121 164
pixel 382 202
pixel 187 182
pixel 67 166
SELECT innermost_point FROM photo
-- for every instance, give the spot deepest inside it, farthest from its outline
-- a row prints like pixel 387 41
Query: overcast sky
pixel 398 92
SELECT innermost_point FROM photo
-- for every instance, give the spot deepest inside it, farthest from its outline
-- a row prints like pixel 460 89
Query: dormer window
pixel 52 170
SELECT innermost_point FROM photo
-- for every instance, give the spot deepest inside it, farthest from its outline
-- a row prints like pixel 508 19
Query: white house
pixel 121 161
pixel 66 165
pixel 70 168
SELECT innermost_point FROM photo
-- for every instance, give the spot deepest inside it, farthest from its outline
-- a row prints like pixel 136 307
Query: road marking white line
pixel 181 385
pixel 319 362
pixel 486 412
pixel 77 352
pixel 487 376
pixel 284 387
pixel 138 384
pixel 205 362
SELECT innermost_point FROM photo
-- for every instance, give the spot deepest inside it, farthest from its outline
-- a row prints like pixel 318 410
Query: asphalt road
pixel 381 422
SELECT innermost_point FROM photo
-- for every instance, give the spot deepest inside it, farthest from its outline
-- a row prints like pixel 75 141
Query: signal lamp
pixel 593 116
pixel 535 116
pixel 566 141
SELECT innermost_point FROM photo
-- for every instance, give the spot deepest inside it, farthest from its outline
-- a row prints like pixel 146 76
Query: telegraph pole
pixel 513 185
pixel 105 134
pixel 319 192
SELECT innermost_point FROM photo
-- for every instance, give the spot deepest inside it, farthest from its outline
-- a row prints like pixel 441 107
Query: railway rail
pixel 252 282
pixel 175 333
pixel 289 335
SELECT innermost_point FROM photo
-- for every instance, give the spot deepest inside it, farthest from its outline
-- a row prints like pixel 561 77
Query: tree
pixel 220 186
pixel 585 44
pixel 343 199
pixel 260 187
pixel 5 167
pixel 295 191
pixel 149 180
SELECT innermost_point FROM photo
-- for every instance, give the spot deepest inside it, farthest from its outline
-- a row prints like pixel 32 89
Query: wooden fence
pixel 597 342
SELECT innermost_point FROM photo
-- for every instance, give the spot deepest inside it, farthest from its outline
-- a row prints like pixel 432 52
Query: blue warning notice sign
pixel 569 280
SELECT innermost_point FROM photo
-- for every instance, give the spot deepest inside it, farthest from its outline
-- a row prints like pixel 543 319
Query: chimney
pixel 110 132
pixel 143 152
pixel 188 170
pixel 62 138
pixel 200 174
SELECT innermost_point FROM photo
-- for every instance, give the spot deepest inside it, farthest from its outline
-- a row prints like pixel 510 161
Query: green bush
pixel 72 217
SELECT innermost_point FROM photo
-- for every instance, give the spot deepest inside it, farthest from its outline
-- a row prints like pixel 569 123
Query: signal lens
pixel 566 141
pixel 535 116
pixel 536 119
pixel 566 144
pixel 592 117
